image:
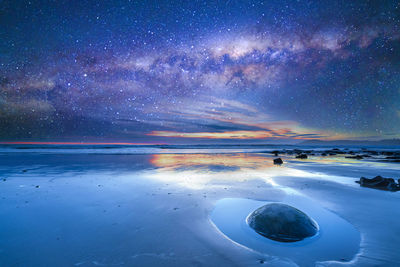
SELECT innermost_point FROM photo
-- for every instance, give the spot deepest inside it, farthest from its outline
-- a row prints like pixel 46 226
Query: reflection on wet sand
pixel 199 170
pixel 239 160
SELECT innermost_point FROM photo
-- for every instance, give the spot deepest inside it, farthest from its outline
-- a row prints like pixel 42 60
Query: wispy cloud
pixel 236 135
pixel 235 120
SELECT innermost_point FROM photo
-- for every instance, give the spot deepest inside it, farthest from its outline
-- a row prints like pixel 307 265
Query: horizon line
pixel 76 143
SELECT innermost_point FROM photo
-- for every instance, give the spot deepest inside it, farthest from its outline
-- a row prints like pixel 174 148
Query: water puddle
pixel 336 240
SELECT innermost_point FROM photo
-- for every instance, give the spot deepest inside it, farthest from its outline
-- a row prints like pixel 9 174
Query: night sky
pixel 199 71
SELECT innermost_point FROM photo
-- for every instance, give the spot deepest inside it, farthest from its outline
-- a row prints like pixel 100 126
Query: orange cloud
pixel 231 134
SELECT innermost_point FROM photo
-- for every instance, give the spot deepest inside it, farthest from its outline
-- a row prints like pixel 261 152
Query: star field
pixel 199 71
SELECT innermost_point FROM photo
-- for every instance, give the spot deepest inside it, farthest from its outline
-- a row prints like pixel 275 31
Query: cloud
pixel 235 135
pixel 228 119
pixel 29 109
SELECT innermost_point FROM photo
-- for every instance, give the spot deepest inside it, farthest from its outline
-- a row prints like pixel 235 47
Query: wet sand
pixel 80 209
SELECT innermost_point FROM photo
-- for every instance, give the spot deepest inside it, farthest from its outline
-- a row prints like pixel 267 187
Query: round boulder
pixel 281 222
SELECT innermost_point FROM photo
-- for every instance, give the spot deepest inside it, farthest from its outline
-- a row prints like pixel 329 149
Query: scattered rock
pixel 380 182
pixel 392 157
pixel 37 186
pixel 334 151
pixel 301 156
pixel 354 157
pixel 297 151
pixel 278 161
pixel 281 222
pixel 275 152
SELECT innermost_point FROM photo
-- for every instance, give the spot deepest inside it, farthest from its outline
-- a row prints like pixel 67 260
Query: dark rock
pixel 393 157
pixel 335 151
pixel 354 157
pixel 380 182
pixel 275 152
pixel 324 154
pixel 278 161
pixel 301 156
pixel 282 223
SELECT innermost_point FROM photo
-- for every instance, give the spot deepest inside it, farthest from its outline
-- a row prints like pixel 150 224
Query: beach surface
pixel 116 206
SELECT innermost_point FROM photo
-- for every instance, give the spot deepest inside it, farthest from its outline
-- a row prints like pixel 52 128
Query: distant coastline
pixel 311 142
pixel 384 142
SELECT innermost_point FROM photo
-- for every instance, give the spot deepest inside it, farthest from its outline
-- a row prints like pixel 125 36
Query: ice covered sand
pixel 118 206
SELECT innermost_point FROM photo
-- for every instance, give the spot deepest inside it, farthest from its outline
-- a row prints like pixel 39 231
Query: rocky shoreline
pixel 380 155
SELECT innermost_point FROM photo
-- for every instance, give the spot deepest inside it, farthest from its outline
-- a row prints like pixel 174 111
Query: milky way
pixel 199 71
